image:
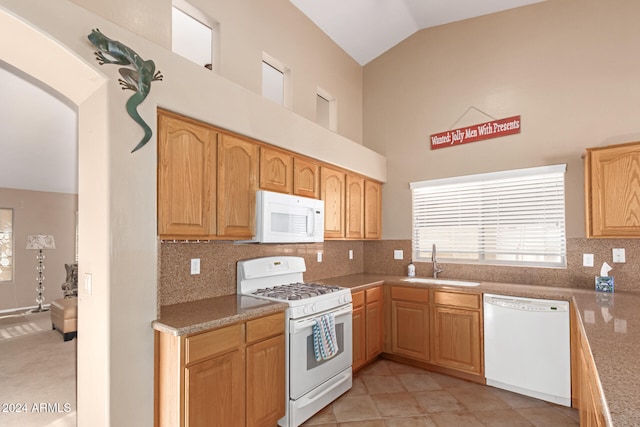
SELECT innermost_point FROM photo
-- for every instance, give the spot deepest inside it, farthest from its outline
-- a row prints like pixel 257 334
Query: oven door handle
pixel 297 326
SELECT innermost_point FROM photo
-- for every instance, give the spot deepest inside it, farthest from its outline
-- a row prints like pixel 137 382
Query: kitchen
pixel 572 80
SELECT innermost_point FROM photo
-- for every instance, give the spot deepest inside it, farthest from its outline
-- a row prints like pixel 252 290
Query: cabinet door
pixel 266 382
pixel 456 339
pixel 374 317
pixel 237 185
pixel 186 177
pixel 332 191
pixel 374 321
pixel 215 392
pixel 276 170
pixel 355 207
pixel 410 329
pixel 359 338
pixel 306 178
pixel 372 210
pixel 612 194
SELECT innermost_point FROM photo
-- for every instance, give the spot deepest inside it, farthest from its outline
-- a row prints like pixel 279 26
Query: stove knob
pixel 314 308
pixel 306 309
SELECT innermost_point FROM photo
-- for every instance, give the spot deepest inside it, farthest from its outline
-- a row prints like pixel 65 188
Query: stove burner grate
pixel 296 291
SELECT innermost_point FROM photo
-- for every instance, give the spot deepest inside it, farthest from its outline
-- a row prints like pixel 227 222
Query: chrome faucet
pixel 436 267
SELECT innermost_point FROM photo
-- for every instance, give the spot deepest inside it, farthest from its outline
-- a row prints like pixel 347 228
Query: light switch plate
pixel 587 260
pixel 88 283
pixel 319 256
pixel 398 254
pixel 618 255
pixel 350 253
pixel 195 266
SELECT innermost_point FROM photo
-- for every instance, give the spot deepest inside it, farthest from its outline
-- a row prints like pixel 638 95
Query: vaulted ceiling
pixel 367 28
pixel 38 144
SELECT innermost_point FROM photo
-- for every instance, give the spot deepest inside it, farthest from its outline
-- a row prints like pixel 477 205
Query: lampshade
pixel 40 241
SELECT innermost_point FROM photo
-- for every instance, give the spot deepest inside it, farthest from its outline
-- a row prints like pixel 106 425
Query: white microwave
pixel 284 218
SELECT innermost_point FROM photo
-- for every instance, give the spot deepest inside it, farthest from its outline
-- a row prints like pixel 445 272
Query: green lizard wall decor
pixel 137 78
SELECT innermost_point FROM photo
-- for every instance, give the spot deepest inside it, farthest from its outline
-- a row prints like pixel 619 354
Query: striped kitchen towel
pixel 325 344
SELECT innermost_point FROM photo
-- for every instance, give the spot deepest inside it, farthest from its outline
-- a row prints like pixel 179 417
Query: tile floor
pixel 389 394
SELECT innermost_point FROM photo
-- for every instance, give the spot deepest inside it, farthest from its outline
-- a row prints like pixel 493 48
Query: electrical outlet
pixel 319 256
pixel 195 266
pixel 587 260
pixel 350 253
pixel 619 255
pixel 398 254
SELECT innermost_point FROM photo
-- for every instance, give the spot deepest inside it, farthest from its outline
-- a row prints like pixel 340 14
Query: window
pixel 6 245
pixel 326 110
pixel 275 81
pixel 193 34
pixel 506 218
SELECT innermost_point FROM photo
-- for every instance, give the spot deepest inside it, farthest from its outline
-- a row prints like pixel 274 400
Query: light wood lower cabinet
pixel 232 376
pixel 218 376
pixel 368 326
pixel 586 393
pixel 456 335
pixel 410 322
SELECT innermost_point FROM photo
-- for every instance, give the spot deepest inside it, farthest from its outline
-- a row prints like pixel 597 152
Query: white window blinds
pixel 513 217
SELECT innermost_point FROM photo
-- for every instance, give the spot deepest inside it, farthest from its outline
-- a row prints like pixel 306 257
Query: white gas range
pixel 318 332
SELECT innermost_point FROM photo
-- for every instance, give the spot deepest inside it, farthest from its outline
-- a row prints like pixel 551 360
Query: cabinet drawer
pixel 374 294
pixel 410 294
pixel 456 299
pixel 213 342
pixel 265 327
pixel 358 299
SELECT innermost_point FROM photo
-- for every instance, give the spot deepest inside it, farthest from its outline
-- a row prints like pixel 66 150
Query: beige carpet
pixel 37 374
pixel 17 325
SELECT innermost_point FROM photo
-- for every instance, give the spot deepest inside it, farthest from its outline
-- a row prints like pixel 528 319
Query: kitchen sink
pixel 444 282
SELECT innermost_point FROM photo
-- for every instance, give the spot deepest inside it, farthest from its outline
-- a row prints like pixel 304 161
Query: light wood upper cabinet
pixel 332 191
pixel 276 170
pixel 612 193
pixel 208 178
pixel 372 210
pixel 186 177
pixel 237 184
pixel 354 207
pixel 306 178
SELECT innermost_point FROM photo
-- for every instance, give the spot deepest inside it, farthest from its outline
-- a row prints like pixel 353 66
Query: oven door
pixel 305 373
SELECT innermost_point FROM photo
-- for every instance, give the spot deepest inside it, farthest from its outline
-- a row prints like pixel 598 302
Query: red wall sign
pixel 474 133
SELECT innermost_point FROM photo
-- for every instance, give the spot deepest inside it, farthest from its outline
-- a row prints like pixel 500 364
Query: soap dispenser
pixel 411 270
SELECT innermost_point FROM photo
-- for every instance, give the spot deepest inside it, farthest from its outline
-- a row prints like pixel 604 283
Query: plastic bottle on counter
pixel 411 270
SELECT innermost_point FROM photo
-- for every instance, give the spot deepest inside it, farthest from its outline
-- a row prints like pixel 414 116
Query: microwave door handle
pixel 310 223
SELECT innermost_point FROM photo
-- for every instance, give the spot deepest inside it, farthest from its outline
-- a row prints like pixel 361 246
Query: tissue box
pixel 604 283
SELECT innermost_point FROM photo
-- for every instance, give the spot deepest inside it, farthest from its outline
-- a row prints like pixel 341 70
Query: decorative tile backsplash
pixel 218 265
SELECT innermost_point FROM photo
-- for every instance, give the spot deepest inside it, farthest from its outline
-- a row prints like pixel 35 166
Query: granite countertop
pixel 611 323
pixel 197 316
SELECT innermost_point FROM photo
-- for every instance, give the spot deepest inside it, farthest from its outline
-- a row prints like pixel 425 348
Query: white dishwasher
pixel 526 347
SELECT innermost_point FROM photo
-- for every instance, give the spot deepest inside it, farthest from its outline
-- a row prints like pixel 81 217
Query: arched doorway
pixel 84 88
